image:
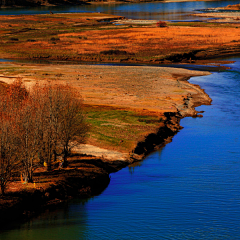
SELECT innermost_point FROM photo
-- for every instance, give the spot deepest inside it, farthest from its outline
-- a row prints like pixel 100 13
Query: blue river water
pixel 149 10
pixel 190 189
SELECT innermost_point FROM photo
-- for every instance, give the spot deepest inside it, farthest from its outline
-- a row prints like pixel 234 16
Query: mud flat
pixel 221 17
pixel 228 14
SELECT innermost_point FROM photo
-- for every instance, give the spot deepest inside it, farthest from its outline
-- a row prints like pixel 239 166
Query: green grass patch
pixel 119 128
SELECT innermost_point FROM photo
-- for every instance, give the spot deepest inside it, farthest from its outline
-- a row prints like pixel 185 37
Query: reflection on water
pixel 134 165
pixel 74 223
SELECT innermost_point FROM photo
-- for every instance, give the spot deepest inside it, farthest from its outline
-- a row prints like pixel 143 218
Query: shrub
pixel 14 39
pixel 161 24
pixel 55 39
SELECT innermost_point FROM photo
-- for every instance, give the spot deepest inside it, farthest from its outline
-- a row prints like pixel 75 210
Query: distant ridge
pixel 33 3
pixel 30 3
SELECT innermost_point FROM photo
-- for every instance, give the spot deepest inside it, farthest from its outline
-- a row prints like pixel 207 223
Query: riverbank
pixel 122 103
pixel 220 17
pixel 129 119
pixel 229 14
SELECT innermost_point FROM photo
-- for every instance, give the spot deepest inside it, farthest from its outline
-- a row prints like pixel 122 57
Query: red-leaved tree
pixel 38 126
pixel 10 104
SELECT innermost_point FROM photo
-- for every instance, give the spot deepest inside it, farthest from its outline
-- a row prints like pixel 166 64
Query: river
pixel 150 10
pixel 190 189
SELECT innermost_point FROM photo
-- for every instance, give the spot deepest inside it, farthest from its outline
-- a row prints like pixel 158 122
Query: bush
pixel 14 39
pixel 161 24
pixel 55 39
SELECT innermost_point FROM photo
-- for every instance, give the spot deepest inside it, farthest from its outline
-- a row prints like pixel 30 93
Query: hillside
pixel 33 3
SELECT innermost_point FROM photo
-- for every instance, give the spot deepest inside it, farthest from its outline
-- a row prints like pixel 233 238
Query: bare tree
pixel 73 128
pixel 49 117
pixel 63 120
pixel 29 139
pixel 10 103
pixel 39 125
pixel 8 152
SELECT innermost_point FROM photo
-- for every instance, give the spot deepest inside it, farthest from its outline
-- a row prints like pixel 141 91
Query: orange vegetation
pixel 86 37
pixel 151 41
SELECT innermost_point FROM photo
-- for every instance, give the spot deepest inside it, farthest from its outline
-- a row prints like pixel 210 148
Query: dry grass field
pixel 94 37
pixel 123 104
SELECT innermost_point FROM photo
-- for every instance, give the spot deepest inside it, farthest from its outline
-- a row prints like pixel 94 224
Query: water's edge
pixel 28 204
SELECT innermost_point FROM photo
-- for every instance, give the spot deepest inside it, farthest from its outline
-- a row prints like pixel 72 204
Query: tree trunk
pixel 25 177
pixel 30 177
pixel 65 155
pixel 2 189
pixel 49 162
